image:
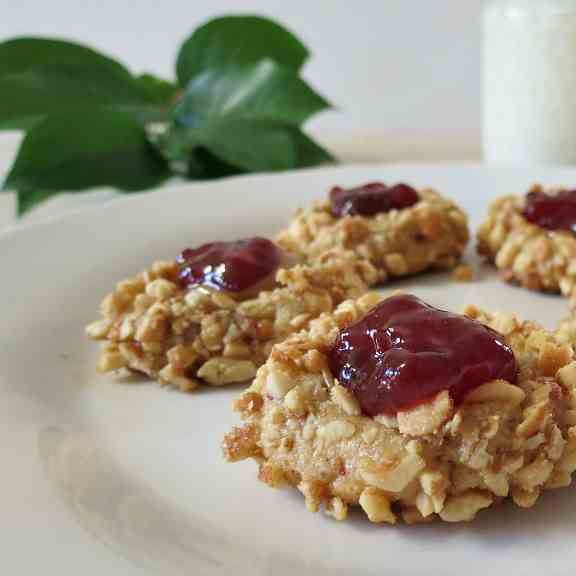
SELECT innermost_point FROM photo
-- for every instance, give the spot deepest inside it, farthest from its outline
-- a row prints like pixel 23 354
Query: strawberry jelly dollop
pixel 551 211
pixel 230 266
pixel 404 352
pixel 370 199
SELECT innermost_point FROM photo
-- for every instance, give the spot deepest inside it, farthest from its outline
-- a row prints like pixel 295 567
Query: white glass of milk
pixel 529 83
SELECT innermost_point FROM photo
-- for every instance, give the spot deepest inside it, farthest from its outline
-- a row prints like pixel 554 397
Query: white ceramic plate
pixel 107 479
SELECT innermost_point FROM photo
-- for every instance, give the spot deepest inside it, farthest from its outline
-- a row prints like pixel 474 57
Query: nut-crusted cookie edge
pixel 305 430
pixel 431 234
pixel 151 325
pixel 524 253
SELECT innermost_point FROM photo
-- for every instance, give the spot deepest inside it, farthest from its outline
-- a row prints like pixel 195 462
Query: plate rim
pixel 156 194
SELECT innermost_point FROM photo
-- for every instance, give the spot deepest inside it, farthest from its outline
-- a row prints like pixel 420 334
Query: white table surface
pixel 349 148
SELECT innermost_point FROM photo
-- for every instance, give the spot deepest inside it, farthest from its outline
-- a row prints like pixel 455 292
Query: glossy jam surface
pixel 404 352
pixel 551 211
pixel 230 266
pixel 370 199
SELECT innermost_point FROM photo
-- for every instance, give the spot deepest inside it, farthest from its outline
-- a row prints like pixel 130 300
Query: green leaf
pixel 308 153
pixel 261 90
pixel 272 146
pixel 157 90
pixel 27 199
pixel 253 146
pixel 243 145
pixel 204 165
pixel 77 151
pixel 238 40
pixel 247 116
pixel 40 77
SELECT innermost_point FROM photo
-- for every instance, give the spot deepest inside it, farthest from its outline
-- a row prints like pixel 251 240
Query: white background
pixel 404 74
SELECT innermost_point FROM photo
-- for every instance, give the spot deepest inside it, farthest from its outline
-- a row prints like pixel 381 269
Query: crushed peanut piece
pixel 463 273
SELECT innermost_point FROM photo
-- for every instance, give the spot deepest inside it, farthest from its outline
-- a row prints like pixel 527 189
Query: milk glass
pixel 529 81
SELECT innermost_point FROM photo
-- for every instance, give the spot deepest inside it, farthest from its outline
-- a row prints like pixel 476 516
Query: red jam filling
pixel 551 211
pixel 230 266
pixel 404 352
pixel 370 199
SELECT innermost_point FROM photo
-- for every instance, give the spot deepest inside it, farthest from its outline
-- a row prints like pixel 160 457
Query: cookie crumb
pixel 463 273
